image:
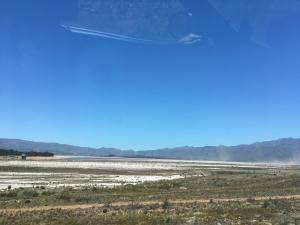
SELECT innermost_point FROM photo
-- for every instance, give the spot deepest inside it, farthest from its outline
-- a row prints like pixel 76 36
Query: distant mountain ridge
pixel 22 145
pixel 281 150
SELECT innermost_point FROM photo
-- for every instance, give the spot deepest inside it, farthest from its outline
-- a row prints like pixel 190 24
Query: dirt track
pixel 84 206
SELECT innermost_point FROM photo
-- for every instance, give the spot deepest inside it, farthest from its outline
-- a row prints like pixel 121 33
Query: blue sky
pixel 99 93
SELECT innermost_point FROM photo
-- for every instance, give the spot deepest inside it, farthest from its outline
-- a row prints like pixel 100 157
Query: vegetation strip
pixel 85 206
pixel 11 152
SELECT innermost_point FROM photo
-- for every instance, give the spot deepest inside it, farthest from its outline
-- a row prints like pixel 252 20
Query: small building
pixel 23 157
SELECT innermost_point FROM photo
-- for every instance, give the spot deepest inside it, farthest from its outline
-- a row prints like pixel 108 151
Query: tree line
pixel 4 152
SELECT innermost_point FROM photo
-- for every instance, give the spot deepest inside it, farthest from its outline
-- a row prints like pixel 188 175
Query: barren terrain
pixel 101 190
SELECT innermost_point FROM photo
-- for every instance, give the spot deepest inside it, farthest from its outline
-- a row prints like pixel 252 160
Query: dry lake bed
pixel 112 190
pixel 104 171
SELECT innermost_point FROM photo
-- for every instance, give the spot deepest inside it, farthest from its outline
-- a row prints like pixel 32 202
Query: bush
pixel 165 204
pixel 28 193
pixel 9 194
pixel 65 195
pixel 94 189
pixel 12 194
pixel 266 204
pixel 282 220
pixel 48 193
pixel 81 199
pixel 251 200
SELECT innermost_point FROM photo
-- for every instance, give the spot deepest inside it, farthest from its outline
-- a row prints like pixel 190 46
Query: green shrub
pixel 28 193
pixel 94 189
pixel 81 199
pixel 9 194
pixel 48 193
pixel 12 194
pixel 65 195
pixel 251 200
pixel 165 204
pixel 266 204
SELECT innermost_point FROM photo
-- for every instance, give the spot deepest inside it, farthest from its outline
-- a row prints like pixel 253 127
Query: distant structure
pixel 23 157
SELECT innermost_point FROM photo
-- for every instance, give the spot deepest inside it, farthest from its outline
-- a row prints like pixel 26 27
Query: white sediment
pixel 162 169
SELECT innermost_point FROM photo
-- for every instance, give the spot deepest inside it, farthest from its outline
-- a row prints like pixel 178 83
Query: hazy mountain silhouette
pixel 56 148
pixel 282 150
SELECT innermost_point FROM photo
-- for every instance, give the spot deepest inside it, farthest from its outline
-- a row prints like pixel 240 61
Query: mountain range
pixel 281 150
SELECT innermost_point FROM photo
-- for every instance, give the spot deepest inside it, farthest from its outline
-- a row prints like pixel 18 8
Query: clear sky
pixel 130 96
